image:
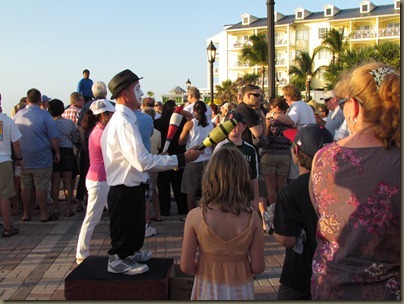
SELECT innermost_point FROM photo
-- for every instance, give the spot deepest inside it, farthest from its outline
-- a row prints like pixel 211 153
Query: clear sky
pixel 46 44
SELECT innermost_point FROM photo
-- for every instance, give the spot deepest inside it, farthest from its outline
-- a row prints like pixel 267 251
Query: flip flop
pixel 26 219
pixel 49 219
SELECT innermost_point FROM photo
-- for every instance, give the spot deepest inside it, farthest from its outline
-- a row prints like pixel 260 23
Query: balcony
pixel 388 32
pixel 239 44
pixel 363 34
pixel 280 61
pixel 281 42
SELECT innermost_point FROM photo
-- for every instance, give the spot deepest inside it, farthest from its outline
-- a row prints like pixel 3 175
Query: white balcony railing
pixel 363 34
pixel 390 31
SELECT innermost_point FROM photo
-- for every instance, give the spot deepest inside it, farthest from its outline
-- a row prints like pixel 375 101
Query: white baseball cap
pixel 101 105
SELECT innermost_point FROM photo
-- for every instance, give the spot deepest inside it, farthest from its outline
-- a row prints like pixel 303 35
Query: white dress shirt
pixel 127 162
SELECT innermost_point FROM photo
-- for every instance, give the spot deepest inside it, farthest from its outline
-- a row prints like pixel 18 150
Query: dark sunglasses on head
pixel 342 102
pixel 255 94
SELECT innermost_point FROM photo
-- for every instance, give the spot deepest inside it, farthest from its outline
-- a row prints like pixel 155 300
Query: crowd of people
pixel 323 178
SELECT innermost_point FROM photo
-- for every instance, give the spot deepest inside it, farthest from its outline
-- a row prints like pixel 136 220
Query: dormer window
pixel 247 19
pixel 397 4
pixel 366 7
pixel 330 10
pixel 301 13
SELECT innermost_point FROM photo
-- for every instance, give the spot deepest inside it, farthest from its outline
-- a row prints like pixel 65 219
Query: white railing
pixel 390 31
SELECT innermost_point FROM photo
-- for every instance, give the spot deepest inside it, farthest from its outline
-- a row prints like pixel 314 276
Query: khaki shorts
pixel 275 164
pixel 6 180
pixel 192 176
pixel 36 178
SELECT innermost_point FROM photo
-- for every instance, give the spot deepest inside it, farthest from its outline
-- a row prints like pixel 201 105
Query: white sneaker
pixel 141 256
pixel 149 231
pixel 126 266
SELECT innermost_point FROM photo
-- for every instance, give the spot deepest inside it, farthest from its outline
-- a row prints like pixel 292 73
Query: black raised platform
pixel 91 281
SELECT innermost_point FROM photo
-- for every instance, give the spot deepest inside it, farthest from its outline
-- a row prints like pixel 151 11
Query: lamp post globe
pixel 211 52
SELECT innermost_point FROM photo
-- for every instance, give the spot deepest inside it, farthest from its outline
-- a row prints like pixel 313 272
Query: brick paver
pixel 34 263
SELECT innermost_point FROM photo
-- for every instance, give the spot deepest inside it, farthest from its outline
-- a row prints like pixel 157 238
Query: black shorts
pixel 67 161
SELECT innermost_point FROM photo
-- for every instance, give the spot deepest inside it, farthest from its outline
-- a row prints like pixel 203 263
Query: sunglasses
pixel 255 94
pixel 327 100
pixel 342 103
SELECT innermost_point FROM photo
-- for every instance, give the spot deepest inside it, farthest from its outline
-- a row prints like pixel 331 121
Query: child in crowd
pixel 227 232
pixel 295 218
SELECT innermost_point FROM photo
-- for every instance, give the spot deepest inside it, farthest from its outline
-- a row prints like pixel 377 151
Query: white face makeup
pixel 138 92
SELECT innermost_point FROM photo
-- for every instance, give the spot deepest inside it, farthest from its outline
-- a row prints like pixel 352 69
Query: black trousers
pixel 164 180
pixel 127 215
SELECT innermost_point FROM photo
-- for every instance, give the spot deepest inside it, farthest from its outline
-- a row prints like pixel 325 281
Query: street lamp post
pixel 276 86
pixel 188 84
pixel 309 76
pixel 211 49
pixel 271 48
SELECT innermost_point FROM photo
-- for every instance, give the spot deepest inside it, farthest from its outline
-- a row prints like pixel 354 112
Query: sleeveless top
pixel 223 271
pixel 196 137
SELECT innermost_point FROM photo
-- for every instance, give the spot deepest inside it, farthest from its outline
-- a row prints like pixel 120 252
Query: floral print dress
pixel 358 201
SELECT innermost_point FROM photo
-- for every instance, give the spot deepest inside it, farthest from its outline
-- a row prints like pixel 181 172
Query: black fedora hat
pixel 120 81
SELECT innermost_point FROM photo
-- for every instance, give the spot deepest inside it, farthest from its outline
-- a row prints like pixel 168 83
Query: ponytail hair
pixel 200 110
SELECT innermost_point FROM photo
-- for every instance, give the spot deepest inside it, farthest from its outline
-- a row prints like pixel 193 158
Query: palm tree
pixel 303 63
pixel 226 92
pixel 150 94
pixel 256 53
pixel 389 53
pixel 333 43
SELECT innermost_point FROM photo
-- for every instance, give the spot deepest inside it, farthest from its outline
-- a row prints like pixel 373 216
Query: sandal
pixel 10 232
pixel 49 219
pixel 70 213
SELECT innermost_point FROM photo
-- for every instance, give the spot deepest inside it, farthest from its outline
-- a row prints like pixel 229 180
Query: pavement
pixel 34 263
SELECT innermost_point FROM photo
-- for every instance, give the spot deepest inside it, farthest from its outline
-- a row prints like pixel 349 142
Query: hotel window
pixel 322 32
pixel 302 35
pixel 364 8
pixel 299 15
pixel 328 12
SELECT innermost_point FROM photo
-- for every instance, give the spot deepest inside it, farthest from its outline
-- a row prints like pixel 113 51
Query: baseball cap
pixel 310 138
pixel 236 115
pixel 45 98
pixel 101 105
pixel 225 106
pixel 328 95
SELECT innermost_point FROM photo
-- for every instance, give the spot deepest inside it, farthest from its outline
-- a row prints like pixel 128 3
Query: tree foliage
pixel 256 53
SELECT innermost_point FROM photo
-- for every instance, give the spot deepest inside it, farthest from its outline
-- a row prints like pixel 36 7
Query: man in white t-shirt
pixel 298 115
pixel 193 96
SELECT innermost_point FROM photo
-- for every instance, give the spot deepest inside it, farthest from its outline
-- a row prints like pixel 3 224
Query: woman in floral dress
pixel 355 189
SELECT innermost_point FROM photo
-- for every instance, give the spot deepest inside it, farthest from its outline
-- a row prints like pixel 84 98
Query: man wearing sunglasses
pixel 335 116
pixel 252 113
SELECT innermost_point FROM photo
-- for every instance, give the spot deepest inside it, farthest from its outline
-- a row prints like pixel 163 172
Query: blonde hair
pixel 381 104
pixel 226 182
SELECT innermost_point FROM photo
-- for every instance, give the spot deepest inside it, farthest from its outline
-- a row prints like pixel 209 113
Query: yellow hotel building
pixel 364 25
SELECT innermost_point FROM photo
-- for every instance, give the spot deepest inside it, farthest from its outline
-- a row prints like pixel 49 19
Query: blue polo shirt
pixel 37 128
pixel 145 124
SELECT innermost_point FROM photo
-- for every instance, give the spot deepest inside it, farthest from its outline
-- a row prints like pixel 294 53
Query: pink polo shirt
pixel 96 172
